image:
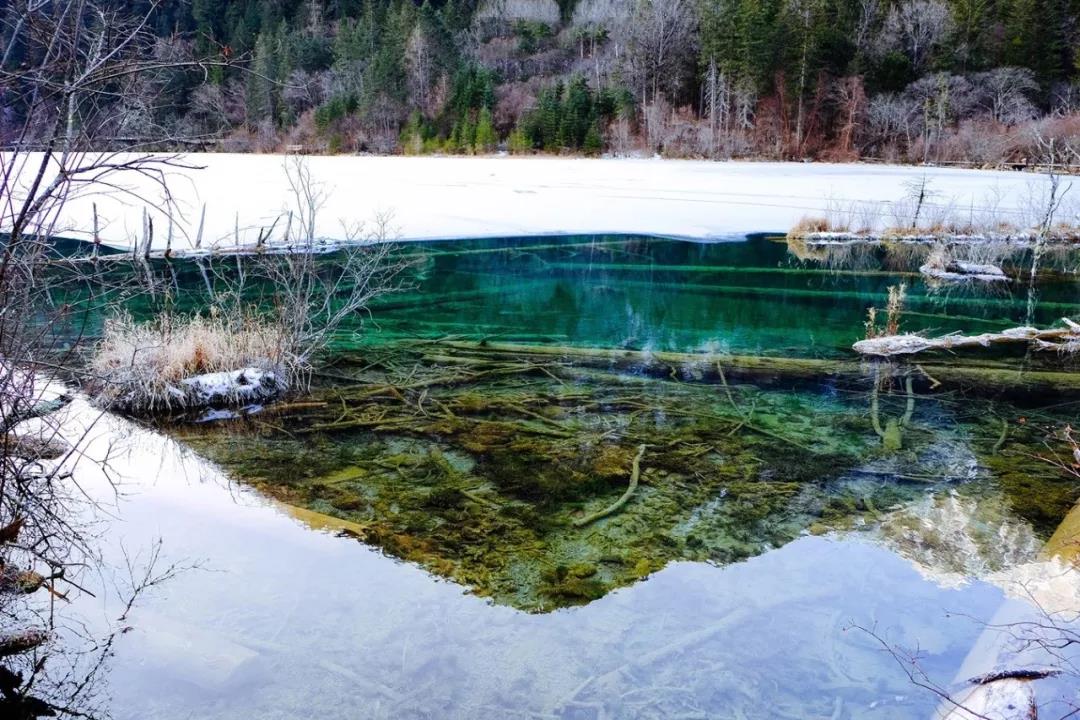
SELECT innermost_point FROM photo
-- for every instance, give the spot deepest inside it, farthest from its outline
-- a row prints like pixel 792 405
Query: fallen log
pixel 21 641
pixel 229 388
pixel 232 387
pixel 1061 339
pixel 1020 239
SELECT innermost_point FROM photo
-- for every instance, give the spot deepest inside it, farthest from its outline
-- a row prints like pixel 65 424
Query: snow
pixel 230 387
pixel 955 271
pixel 1006 699
pixel 453 197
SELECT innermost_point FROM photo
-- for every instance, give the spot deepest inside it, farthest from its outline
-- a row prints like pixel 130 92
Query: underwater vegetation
pixel 543 480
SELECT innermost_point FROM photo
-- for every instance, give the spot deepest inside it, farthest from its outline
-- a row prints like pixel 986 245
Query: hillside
pixel 900 80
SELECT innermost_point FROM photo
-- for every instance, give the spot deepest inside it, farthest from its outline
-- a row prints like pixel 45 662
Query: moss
pixel 484 493
pixel 1037 494
pixel 444 498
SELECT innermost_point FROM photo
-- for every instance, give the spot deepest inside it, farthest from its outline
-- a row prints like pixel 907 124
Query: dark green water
pixel 481 423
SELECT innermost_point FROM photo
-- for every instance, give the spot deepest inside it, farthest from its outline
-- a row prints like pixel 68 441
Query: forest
pixel 974 81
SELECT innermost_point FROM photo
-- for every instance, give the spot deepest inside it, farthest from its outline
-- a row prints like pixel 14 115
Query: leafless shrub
pixel 513 100
pixel 979 140
pixel 811 225
pixel 302 91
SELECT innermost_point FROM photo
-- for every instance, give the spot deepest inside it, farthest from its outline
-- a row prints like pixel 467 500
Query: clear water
pixel 428 551
pixel 742 297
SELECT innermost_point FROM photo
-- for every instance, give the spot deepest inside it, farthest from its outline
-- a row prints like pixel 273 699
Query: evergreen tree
pixel 592 144
pixel 486 139
pixel 519 142
pixel 261 82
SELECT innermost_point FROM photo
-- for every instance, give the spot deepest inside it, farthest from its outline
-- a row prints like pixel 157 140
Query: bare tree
pixel 917 28
pixel 79 79
pixel 418 62
pixel 1005 94
pixel 661 46
pixel 850 97
pixel 867 25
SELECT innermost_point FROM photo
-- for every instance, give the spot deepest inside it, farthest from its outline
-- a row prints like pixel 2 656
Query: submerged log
pixel 704 367
pixel 910 344
pixel 635 474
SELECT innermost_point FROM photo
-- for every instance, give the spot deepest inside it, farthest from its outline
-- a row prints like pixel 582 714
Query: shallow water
pixel 457 454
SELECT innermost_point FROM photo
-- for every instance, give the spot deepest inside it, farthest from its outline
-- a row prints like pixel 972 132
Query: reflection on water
pixel 485 429
pixel 285 622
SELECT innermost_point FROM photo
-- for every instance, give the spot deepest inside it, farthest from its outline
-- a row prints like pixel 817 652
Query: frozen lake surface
pixel 455 197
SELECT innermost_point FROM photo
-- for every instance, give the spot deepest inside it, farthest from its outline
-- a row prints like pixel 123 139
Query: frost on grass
pixel 189 362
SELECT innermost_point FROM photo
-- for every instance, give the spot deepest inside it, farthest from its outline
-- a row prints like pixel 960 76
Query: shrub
pixel 142 366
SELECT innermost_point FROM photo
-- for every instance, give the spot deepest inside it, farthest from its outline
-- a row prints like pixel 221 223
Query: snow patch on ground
pixel 455 197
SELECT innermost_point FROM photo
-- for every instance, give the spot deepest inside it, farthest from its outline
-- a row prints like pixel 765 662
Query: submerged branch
pixel 635 474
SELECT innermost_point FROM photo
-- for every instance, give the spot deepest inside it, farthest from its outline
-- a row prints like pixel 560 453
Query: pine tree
pixel 486 139
pixel 259 103
pixel 519 142
pixel 549 116
pixel 467 138
pixel 593 144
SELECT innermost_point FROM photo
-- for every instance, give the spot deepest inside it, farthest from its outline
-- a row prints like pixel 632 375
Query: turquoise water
pixel 742 297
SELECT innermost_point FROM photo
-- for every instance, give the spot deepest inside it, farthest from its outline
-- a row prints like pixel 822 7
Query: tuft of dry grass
pixel 894 309
pixel 140 365
pixel 810 225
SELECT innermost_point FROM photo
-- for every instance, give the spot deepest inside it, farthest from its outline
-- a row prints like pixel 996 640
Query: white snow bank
pixel 433 197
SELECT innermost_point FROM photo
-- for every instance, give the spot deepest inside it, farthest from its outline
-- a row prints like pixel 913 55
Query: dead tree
pixel 69 72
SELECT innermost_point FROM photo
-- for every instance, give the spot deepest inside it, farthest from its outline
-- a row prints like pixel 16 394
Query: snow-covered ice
pixel 449 197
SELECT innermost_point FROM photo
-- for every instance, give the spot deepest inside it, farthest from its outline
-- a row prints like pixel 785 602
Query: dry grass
pixel 894 309
pixel 808 225
pixel 139 366
pixel 904 255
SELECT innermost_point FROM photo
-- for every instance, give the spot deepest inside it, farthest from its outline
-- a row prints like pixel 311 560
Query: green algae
pixel 482 481
pixel 476 465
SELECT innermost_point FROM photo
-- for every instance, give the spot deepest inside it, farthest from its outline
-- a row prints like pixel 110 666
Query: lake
pixel 600 477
